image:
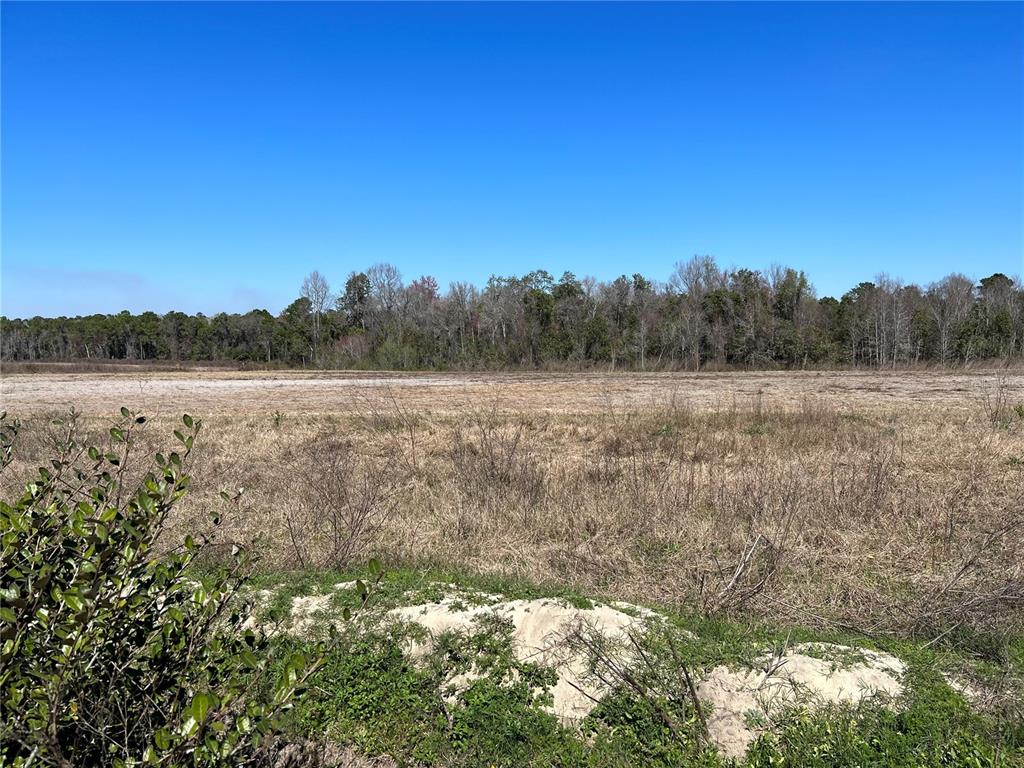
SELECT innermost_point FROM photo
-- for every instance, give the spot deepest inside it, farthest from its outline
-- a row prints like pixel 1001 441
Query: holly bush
pixel 112 651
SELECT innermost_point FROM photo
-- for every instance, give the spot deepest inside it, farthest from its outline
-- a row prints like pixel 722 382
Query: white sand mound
pixel 741 703
pixel 309 615
pixel 811 675
pixel 308 612
pixel 540 628
pixel 972 692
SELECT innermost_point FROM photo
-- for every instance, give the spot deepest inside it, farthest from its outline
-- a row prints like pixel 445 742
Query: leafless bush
pixel 978 586
pixel 640 465
pixel 340 501
pixel 492 459
pixel 766 504
pixel 865 486
pixel 396 424
pixel 999 407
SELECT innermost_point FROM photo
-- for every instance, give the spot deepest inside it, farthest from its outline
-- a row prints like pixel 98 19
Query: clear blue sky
pixel 205 157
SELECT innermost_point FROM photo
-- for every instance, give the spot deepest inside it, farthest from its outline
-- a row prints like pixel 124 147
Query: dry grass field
pixel 215 392
pixel 874 502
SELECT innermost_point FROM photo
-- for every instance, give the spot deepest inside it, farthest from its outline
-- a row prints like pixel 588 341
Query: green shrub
pixel 112 653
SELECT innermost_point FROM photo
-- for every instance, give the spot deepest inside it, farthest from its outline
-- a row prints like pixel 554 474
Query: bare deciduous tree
pixel 949 301
pixel 692 281
pixel 385 285
pixel 316 288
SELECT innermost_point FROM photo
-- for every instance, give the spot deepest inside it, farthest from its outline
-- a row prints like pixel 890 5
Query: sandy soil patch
pixel 206 393
pixel 744 702
pixel 307 612
pixel 540 629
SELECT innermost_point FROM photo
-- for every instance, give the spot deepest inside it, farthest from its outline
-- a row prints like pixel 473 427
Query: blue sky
pixel 204 157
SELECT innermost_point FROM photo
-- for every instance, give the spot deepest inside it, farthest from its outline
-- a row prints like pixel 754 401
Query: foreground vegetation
pixel 113 654
pixel 879 519
pixel 373 697
pixel 702 315
pixel 120 651
pixel 751 526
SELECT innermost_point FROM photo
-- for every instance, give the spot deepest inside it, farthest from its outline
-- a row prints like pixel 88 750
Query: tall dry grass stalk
pixel 880 520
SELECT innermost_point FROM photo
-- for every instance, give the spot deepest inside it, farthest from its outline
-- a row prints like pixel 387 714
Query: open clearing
pixel 759 515
pixel 232 392
pixel 853 497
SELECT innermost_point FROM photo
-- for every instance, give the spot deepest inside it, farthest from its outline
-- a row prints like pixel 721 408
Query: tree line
pixel 702 315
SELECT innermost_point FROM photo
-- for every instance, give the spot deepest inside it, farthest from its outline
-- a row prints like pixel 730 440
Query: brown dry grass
pixel 884 503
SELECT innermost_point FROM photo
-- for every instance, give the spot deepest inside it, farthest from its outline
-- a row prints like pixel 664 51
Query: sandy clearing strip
pixel 217 392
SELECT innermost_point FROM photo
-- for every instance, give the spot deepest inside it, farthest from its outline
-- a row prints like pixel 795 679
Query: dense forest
pixel 702 315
